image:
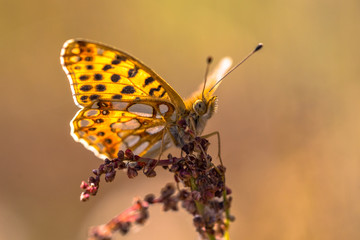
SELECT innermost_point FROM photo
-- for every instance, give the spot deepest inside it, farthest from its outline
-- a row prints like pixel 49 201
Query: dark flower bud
pixel 122 165
pixel 150 198
pixel 121 155
pixel 188 148
pixel 228 191
pixel 198 221
pixel 196 195
pixel 208 195
pixel 174 168
pixel 95 171
pixel 231 218
pixel 218 193
pixel 124 227
pixel 131 172
pixel 101 169
pixel 129 154
pixel 183 194
pixel 150 173
pixel 170 204
pixel 92 179
pixel 185 174
pixel 190 206
pixel 143 216
pixel 109 177
pixel 182 123
pixel 167 191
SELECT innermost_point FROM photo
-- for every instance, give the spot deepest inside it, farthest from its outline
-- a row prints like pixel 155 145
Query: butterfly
pixel 125 105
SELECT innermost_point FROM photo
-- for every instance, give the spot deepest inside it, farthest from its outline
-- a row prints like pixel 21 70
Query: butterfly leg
pixel 162 144
pixel 219 145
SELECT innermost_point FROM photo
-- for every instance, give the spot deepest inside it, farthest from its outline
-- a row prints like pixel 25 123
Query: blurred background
pixel 289 117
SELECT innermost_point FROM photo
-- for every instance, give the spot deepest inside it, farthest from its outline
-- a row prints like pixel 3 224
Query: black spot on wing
pixel 84 98
pixel 98 76
pixel 115 78
pixel 86 88
pixel 121 58
pixel 94 97
pixel 99 120
pixel 84 77
pixel 148 81
pixel 132 72
pixel 152 90
pixel 100 134
pixel 107 67
pixel 100 87
pixel 117 96
pixel 163 93
pixel 128 90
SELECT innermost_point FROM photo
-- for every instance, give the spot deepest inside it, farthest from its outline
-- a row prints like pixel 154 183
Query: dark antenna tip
pixel 209 60
pixel 258 47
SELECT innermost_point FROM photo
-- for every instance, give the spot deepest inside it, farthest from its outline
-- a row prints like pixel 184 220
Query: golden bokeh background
pixel 289 118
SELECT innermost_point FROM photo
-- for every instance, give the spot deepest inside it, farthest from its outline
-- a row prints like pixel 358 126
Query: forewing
pixel 98 72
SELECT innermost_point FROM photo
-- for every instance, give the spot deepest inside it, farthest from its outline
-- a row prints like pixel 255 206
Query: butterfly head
pixel 205 107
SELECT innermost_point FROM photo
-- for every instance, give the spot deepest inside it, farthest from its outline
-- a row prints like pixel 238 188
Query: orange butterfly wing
pixel 124 103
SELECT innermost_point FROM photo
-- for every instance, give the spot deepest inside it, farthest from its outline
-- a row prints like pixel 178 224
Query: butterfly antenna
pixel 208 62
pixel 258 47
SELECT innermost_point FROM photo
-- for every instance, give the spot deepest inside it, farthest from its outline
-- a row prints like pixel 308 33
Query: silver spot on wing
pixel 100 51
pixel 163 109
pixel 85 123
pixel 129 125
pixel 141 148
pixel 81 133
pixel 100 146
pixel 92 138
pixel 92 113
pixel 153 130
pixel 132 140
pixel 120 105
pixel 141 110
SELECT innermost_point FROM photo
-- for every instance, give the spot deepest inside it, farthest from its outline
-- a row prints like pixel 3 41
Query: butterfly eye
pixel 199 107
